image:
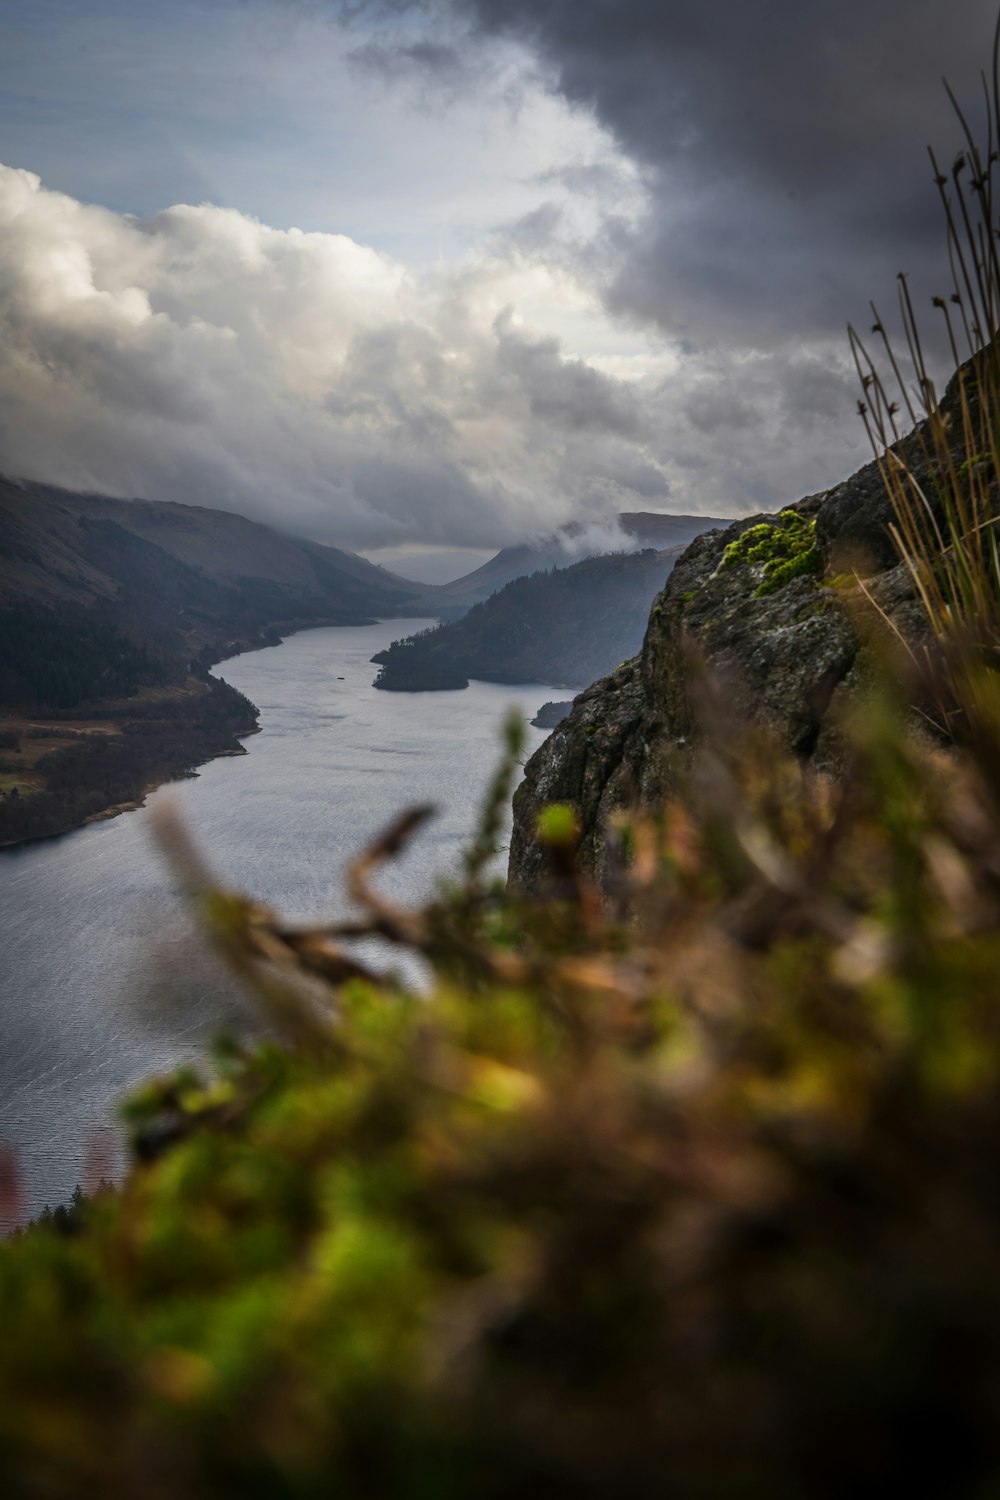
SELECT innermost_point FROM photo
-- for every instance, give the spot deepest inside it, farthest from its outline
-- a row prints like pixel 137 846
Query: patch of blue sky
pixel 256 105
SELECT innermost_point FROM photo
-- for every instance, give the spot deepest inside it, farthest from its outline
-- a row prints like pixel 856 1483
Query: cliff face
pixel 788 652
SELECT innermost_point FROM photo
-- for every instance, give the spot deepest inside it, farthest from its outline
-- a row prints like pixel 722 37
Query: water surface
pixel 103 980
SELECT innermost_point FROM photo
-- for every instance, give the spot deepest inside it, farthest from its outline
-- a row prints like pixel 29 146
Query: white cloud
pixel 318 384
pixel 299 377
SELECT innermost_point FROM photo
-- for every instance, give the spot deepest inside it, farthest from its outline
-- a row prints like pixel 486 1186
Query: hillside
pixel 183 577
pixel 110 613
pixel 644 528
pixel 565 626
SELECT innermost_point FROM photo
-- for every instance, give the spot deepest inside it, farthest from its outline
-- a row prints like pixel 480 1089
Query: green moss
pixel 786 549
pixel 973 462
pixel 558 824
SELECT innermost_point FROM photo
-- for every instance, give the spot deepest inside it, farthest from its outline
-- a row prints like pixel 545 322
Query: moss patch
pixel 786 548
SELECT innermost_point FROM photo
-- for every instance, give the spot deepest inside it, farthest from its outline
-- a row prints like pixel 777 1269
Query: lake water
pixel 104 980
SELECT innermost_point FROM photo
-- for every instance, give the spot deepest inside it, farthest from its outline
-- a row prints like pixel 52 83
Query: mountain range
pixel 180 577
pixel 111 612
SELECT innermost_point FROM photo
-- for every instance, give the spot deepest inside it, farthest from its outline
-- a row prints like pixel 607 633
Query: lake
pixel 104 979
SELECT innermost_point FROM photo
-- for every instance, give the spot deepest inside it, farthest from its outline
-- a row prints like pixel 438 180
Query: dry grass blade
pixel 942 480
pixel 387 918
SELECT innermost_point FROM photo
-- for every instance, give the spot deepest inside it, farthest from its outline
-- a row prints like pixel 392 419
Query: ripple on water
pixel 104 979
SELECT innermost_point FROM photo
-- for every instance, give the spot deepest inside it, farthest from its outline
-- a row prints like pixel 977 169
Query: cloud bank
pixel 300 378
pixel 317 384
pixel 781 144
pixel 660 217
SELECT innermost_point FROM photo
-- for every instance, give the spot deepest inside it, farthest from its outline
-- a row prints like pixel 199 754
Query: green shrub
pixel 707 1192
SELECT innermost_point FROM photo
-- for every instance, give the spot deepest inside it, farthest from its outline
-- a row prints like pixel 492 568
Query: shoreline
pixel 183 767
pixel 211 656
pixel 133 804
pixel 127 804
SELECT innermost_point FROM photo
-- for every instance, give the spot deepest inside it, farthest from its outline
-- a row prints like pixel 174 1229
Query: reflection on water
pixel 103 980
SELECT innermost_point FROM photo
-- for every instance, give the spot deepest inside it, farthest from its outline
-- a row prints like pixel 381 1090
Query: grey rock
pixel 789 659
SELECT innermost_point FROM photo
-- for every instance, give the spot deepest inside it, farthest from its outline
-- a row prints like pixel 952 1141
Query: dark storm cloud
pixel 563 393
pixel 782 143
pixel 597 179
pixel 766 175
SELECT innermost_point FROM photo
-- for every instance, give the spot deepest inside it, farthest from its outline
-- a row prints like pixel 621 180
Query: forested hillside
pixel 565 626
pixel 62 659
pixel 635 530
pixel 110 613
pixel 181 577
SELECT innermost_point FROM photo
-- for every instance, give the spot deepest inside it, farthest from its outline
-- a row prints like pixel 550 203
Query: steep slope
pixel 111 611
pixel 790 655
pixel 565 626
pixel 645 528
pixel 187 576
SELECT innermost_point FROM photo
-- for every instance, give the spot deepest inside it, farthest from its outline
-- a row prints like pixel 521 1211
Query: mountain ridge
pixel 58 546
pixel 654 529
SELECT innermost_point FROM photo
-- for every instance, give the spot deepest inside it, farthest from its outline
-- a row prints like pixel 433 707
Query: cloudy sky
pixel 405 275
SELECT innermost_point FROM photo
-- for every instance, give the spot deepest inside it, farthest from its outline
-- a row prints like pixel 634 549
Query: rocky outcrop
pixel 789 652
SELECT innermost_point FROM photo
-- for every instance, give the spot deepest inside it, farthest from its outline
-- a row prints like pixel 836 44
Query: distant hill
pixel 564 626
pixel 644 528
pixel 110 613
pixel 179 577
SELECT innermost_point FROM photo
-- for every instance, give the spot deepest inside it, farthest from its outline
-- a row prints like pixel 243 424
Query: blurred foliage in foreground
pixel 697 1197
pixel 693 1194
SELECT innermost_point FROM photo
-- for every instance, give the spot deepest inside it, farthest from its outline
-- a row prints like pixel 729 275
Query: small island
pixel 550 714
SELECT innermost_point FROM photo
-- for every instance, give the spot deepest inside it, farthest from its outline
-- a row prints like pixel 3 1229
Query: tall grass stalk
pixel 942 479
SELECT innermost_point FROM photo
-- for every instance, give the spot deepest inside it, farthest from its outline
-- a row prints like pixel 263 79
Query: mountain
pixel 110 613
pixel 565 626
pixel 644 528
pixel 183 577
